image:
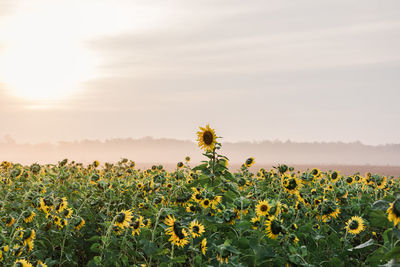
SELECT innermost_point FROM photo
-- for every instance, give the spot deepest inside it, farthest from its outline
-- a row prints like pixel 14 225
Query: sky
pixel 254 70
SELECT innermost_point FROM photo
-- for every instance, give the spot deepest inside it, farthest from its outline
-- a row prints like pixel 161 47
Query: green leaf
pixel 95 248
pixel 380 205
pixel 378 218
pixel 394 253
pixel 363 245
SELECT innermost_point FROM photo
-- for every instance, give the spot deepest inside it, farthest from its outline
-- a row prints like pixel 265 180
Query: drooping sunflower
pixel 68 213
pixel 62 203
pixel 255 221
pixel 180 165
pixel 176 231
pixel 262 208
pixel 22 263
pixel 196 229
pixel 10 221
pixel 394 212
pixel 206 138
pixel 28 216
pixel 273 227
pixel 327 210
pixel 249 162
pixel 79 224
pixel 291 184
pixel 381 183
pixel 203 246
pixel 146 222
pixel 123 219
pixel 136 225
pixel 355 225
pixel 28 236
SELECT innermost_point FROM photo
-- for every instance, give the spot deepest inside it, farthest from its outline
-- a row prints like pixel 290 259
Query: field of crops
pixel 70 214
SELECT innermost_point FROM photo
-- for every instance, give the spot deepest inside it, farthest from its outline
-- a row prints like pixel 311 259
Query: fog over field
pixel 147 151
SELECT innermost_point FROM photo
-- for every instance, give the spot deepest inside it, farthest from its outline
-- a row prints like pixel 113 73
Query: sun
pixel 43 56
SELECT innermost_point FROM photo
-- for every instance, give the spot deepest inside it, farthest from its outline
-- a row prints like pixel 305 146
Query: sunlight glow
pixel 43 54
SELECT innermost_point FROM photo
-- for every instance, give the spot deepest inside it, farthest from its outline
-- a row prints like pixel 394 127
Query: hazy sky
pixel 255 70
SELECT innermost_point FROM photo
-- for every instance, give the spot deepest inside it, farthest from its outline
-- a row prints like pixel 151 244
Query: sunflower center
pixel 334 175
pixel 135 225
pixel 208 138
pixel 353 225
pixel 195 229
pixel 264 208
pixel 349 180
pixel 121 217
pixel 178 231
pixel 249 161
pixel 206 202
pixel 292 184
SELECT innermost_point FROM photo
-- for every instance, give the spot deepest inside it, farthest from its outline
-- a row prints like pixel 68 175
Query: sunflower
pixel 206 138
pixel 316 173
pixel 191 208
pixel 327 210
pixel 334 176
pixel 22 263
pixel 291 184
pixel 273 227
pixel 255 221
pixel 381 183
pixel 123 219
pixel 205 203
pixel 196 229
pixel 349 180
pixel 146 222
pixel 180 165
pixel 176 231
pixel 187 158
pixel 62 204
pixel 394 212
pixel 68 213
pixel 203 246
pixel 28 216
pixel 79 224
pixel 249 162
pixel 28 236
pixel 136 225
pixel 41 264
pixel 355 225
pixel 262 208
pixel 10 221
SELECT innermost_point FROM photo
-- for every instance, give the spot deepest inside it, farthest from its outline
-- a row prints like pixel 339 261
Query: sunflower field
pixel 68 214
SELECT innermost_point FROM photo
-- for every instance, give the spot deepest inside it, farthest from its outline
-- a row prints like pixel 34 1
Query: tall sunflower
pixel 355 225
pixel 394 212
pixel 206 138
pixel 249 162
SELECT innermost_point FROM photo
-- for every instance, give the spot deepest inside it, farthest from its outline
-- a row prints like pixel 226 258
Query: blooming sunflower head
pixel 196 229
pixel 355 225
pixel 262 208
pixel 206 138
